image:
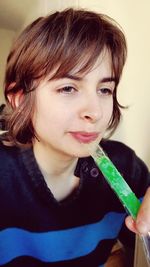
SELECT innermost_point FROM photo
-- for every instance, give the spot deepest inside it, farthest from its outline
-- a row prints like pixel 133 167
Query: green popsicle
pixel 117 182
pixel 122 190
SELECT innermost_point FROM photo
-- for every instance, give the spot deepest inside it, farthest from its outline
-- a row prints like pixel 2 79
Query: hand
pixel 142 223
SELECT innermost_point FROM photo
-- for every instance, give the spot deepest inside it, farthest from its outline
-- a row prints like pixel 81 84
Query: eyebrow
pixel 108 79
pixel 72 77
pixel 77 78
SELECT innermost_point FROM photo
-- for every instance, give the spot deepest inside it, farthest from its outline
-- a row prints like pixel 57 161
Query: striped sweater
pixel 37 230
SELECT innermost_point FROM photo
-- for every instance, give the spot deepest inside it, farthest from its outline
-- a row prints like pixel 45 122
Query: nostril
pixel 91 116
pixel 87 117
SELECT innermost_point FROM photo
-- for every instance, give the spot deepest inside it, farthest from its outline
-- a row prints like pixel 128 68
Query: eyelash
pixel 67 90
pixel 70 90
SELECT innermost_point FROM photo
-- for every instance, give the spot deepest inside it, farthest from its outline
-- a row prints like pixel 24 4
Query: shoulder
pixel 6 149
pixel 116 148
pixel 8 155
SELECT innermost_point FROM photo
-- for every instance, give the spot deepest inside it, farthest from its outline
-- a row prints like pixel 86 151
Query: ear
pixel 14 98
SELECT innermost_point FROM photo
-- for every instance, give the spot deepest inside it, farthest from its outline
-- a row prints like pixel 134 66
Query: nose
pixel 92 109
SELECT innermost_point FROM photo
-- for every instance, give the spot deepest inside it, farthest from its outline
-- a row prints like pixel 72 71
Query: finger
pixel 130 223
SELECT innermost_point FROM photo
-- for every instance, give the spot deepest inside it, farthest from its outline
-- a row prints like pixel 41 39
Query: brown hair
pixel 64 40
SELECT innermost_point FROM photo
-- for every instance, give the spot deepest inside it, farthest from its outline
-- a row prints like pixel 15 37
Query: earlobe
pixel 14 98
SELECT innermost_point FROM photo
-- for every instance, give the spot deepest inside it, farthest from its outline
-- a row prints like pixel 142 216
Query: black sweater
pixel 37 230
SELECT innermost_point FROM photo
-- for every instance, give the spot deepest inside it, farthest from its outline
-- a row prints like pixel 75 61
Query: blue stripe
pixel 58 245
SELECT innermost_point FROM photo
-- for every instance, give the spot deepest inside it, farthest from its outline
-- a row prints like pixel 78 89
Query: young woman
pixel 61 90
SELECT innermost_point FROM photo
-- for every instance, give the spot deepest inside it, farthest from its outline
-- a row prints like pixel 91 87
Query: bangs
pixel 76 47
pixel 62 42
pixel 76 63
pixel 79 42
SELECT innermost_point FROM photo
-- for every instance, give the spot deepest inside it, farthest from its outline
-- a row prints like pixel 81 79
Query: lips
pixel 84 137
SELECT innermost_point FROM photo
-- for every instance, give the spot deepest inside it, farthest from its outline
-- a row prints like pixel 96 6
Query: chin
pixel 81 152
pixel 82 155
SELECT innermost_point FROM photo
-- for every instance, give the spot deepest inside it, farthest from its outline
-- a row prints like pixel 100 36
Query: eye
pixel 67 90
pixel 106 91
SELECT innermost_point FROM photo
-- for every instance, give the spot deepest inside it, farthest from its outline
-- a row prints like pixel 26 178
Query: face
pixel 74 111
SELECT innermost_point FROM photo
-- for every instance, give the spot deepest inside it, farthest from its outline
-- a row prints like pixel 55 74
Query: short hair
pixel 65 39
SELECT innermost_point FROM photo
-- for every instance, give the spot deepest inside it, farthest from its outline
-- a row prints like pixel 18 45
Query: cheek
pixel 50 118
pixel 108 111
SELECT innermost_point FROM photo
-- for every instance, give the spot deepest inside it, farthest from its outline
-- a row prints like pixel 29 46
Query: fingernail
pixel 141 227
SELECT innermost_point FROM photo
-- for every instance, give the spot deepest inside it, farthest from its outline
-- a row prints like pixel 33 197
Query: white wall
pixel 44 7
pixel 6 38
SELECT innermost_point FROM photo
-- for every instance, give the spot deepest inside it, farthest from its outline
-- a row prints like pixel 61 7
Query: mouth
pixel 84 137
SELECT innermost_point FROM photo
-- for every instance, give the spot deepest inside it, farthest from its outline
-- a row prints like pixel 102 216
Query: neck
pixel 52 163
pixel 57 170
